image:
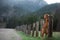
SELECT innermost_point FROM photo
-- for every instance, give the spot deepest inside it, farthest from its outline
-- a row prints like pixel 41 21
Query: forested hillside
pixel 17 12
pixel 35 16
pixel 47 9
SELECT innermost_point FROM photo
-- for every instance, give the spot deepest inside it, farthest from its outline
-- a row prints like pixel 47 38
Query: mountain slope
pixel 46 9
pixel 20 7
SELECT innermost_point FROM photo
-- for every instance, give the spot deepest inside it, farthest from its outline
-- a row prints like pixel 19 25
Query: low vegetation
pixel 56 36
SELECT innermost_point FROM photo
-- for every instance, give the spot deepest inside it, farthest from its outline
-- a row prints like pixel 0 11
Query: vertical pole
pixel 41 23
pixel 37 28
pixel 26 29
pixel 29 28
pixel 50 26
pixel 33 29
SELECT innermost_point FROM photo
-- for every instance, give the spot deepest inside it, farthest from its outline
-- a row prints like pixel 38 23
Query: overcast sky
pixel 52 1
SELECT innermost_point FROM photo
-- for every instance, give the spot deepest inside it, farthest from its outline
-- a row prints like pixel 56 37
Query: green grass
pixel 56 36
pixel 26 37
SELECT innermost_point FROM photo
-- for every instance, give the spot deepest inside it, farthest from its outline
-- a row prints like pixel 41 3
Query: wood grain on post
pixel 37 28
pixel 29 29
pixel 50 28
pixel 33 29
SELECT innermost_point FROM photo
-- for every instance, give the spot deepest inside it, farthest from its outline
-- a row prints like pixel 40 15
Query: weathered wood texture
pixel 37 28
pixel 33 29
pixel 50 28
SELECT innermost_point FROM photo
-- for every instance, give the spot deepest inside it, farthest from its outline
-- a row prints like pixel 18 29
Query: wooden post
pixel 29 29
pixel 26 28
pixel 41 23
pixel 37 28
pixel 21 28
pixel 33 29
pixel 50 26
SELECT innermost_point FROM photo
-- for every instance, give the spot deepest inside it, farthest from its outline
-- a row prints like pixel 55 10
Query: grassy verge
pixel 26 37
pixel 56 36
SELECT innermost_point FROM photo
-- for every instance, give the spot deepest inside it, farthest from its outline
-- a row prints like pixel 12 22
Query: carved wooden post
pixel 37 28
pixel 33 29
pixel 41 23
pixel 29 29
pixel 50 28
pixel 26 29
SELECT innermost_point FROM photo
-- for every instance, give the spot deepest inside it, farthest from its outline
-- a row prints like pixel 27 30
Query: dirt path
pixel 9 34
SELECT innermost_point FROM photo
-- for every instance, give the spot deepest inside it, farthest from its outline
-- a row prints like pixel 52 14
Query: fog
pixel 20 7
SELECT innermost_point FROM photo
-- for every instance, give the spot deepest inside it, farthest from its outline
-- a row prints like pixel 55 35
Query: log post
pixel 33 29
pixel 26 28
pixel 41 23
pixel 29 29
pixel 37 29
pixel 50 28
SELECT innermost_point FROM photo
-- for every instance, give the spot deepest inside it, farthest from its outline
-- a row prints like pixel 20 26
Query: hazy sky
pixel 52 1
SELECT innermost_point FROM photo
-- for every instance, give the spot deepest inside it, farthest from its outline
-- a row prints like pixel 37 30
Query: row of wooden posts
pixel 34 29
pixel 30 29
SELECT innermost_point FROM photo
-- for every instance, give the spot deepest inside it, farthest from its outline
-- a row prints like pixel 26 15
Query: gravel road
pixel 9 34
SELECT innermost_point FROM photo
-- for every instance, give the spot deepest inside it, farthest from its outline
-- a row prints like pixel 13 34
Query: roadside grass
pixel 56 36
